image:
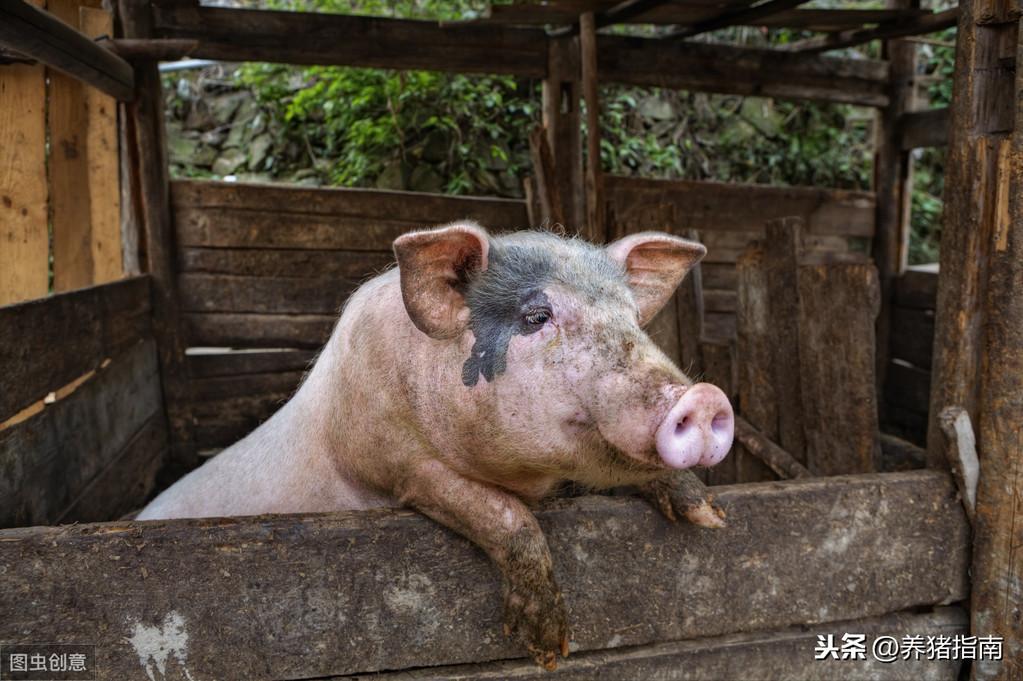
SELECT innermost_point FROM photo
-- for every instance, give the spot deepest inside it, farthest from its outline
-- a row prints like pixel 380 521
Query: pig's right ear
pixel 655 264
pixel 435 267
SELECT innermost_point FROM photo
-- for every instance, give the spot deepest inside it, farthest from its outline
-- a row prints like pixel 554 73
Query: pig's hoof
pixel 538 620
pixel 683 495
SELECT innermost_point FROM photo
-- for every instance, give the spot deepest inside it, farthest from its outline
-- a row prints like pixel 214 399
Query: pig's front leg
pixel 682 493
pixel 505 528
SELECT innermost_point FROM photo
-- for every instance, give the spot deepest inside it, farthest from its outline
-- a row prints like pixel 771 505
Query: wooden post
pixel 893 183
pixel 978 362
pixel 154 185
pixel 24 237
pixel 561 93
pixel 595 229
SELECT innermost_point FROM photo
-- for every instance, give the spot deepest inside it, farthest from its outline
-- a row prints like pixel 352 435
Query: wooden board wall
pixel 329 594
pixel 907 383
pixel 93 453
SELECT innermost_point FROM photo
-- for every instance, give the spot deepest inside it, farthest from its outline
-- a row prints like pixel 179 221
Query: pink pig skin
pixel 468 383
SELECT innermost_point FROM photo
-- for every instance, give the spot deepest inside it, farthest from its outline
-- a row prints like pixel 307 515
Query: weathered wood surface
pixel 734 16
pixel 917 287
pixel 24 228
pixel 786 654
pixel 151 181
pixel 719 206
pixel 997 567
pixel 838 307
pixel 908 387
pixel 251 35
pixel 560 96
pixel 309 331
pixel 49 461
pixel 919 25
pixel 47 343
pixel 741 70
pixel 594 176
pixel 776 458
pixel 924 129
pixel 311 596
pixel 721 369
pixel 912 338
pixel 45 38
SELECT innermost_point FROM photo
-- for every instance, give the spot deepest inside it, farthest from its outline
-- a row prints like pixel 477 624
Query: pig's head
pixel 556 362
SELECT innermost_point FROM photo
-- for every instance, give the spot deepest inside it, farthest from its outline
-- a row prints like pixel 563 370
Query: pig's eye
pixel 538 317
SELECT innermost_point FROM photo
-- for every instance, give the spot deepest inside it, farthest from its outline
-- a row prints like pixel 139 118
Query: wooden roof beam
pixel 734 17
pixel 927 23
pixel 37 34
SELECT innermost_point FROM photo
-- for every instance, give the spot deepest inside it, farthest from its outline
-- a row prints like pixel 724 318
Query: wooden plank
pixel 917 288
pixel 259 330
pixel 918 129
pixel 997 568
pixel 912 338
pixel 264 295
pixel 24 222
pixel 596 229
pixel 150 172
pixel 214 364
pixel 560 97
pixel 774 655
pixel 227 408
pixel 47 39
pixel 718 206
pixel 720 368
pixel 46 344
pixel 345 265
pixel 376 42
pixel 689 306
pixel 103 163
pixel 734 17
pixel 419 208
pixel 838 307
pixel 128 480
pixel 776 458
pixel 926 23
pixel 49 460
pixel 758 403
pixel 70 206
pixel 394 576
pixel 704 67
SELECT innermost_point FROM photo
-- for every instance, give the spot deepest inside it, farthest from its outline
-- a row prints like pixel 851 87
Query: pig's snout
pixel 698 429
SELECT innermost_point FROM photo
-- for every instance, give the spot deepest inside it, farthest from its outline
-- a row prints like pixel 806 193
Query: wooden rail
pixel 927 23
pixel 41 36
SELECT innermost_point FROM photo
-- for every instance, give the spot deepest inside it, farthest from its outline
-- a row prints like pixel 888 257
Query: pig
pixel 468 383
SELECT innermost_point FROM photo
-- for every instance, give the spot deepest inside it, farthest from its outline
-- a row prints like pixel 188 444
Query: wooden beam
pixel 151 173
pixel 779 461
pixel 41 36
pixel 257 35
pixel 735 16
pixel 153 50
pixel 927 23
pixel 919 129
pixel 729 69
pixel 561 119
pixel 595 227
pixel 392 576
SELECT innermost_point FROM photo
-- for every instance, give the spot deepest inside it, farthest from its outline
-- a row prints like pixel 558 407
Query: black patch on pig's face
pixel 498 300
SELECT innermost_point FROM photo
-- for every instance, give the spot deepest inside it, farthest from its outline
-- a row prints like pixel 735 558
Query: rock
pixel 229 161
pixel 436 147
pixel 258 178
pixel 181 149
pixel 223 108
pixel 199 116
pixel 258 151
pixel 392 176
pixel 204 156
pixel 214 138
pixel 656 108
pixel 425 179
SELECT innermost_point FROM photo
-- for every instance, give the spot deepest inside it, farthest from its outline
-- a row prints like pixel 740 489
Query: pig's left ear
pixel 655 264
pixel 435 267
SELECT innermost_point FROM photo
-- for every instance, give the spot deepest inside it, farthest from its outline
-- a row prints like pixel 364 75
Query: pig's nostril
pixel 681 426
pixel 721 422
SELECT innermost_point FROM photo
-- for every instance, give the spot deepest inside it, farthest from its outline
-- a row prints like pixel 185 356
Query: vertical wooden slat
pixel 893 172
pixel 24 237
pixel 595 230
pixel 561 92
pixel 151 173
pixel 102 155
pixel 69 170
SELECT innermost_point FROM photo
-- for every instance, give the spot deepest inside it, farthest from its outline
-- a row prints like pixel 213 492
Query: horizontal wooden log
pixel 923 129
pixel 213 364
pixel 787 654
pixel 719 206
pixel 258 330
pixel 917 288
pixel 912 338
pixel 311 596
pixel 49 460
pixel 153 50
pixel 923 24
pixel 776 458
pixel 734 16
pixel 741 70
pixel 48 343
pixel 39 35
pixel 253 35
pixel 346 265
pixel 898 454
